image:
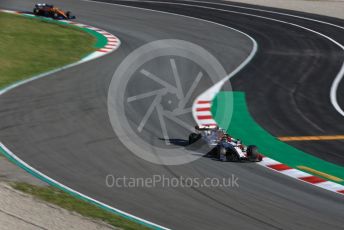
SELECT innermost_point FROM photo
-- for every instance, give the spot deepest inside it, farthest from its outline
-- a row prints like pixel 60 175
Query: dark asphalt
pixel 60 125
pixel 284 100
pixel 290 101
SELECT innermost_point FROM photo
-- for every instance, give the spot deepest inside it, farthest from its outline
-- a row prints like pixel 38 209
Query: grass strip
pixel 29 46
pixel 66 201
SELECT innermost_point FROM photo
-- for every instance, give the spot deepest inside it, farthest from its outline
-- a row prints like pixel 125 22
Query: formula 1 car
pixel 224 147
pixel 46 10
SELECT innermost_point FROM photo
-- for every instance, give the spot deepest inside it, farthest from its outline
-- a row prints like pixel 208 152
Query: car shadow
pixel 176 141
pixel 200 148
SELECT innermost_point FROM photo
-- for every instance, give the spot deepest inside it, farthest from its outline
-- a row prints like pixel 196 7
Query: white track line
pixel 334 89
pixel 340 75
pixel 66 188
pixel 267 11
pixel 13 86
pixel 92 56
pixel 44 177
pixel 211 93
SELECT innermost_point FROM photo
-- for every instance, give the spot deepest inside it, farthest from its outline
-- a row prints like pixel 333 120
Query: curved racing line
pixel 205 101
pixel 338 78
pixel 111 46
pixel 110 43
pixel 340 75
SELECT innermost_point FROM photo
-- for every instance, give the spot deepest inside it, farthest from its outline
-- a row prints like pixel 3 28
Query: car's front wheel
pixel 252 152
pixel 232 155
pixel 221 153
pixel 35 11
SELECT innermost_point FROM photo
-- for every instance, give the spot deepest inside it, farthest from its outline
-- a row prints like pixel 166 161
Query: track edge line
pixel 34 172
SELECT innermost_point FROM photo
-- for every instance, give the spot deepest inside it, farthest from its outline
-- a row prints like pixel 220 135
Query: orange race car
pixel 47 10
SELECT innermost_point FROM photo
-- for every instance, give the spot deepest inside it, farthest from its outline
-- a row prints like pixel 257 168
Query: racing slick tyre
pixel 69 15
pixel 232 155
pixel 252 152
pixel 55 16
pixel 221 153
pixel 193 137
pixel 35 11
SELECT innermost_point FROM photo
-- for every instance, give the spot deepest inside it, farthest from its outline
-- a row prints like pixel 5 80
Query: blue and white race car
pixel 223 146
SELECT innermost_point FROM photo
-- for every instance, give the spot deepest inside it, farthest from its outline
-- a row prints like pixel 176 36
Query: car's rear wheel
pixel 232 155
pixel 252 152
pixel 35 11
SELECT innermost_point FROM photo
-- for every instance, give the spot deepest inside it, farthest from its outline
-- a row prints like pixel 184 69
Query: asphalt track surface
pixel 286 101
pixel 60 126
